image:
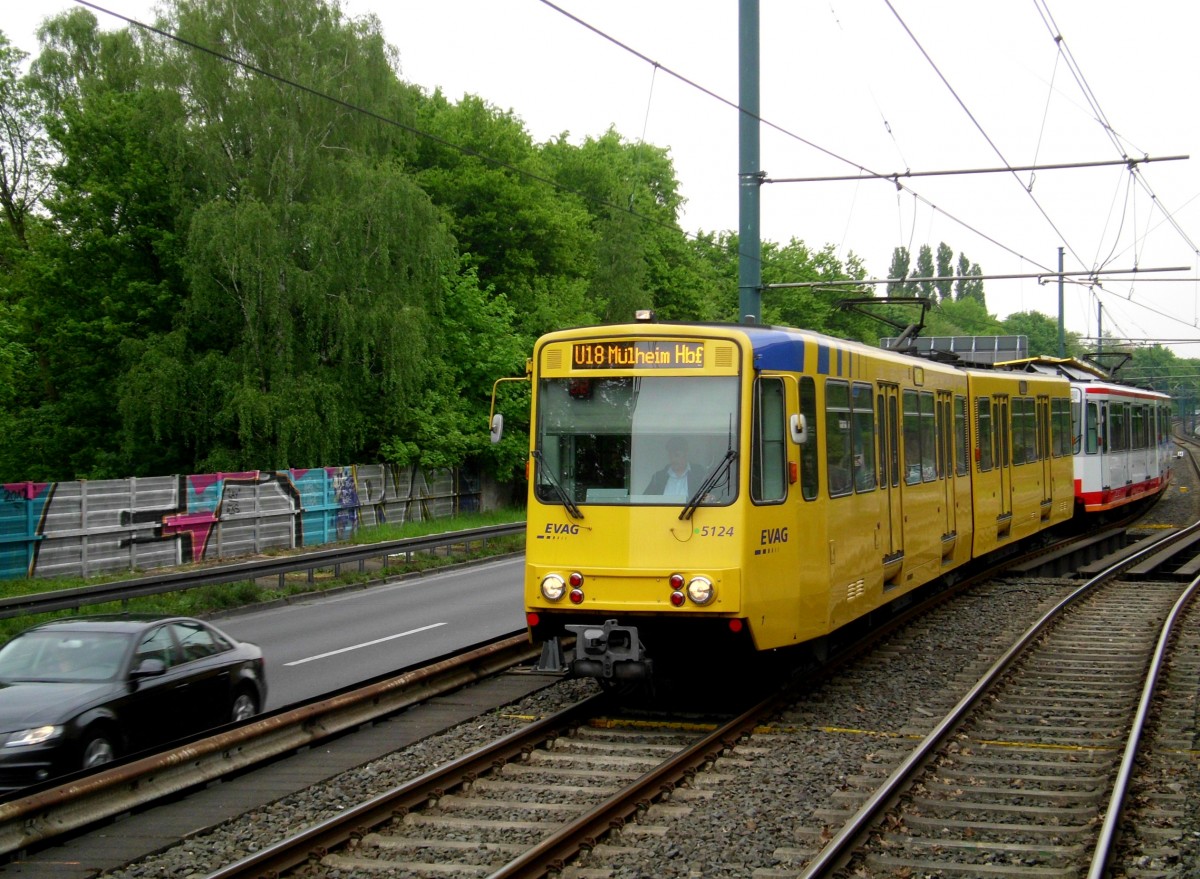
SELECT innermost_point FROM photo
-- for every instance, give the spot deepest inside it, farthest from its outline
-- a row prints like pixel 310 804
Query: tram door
pixel 888 421
pixel 1004 459
pixel 945 461
pixel 1116 449
pixel 1045 452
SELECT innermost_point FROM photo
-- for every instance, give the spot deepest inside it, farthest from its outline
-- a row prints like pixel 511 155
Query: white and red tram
pixel 1122 435
pixel 1123 445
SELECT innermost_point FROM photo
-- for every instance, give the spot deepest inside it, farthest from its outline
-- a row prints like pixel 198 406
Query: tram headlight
pixel 553 587
pixel 700 590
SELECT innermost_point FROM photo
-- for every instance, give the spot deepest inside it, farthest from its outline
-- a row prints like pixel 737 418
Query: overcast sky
pixel 871 86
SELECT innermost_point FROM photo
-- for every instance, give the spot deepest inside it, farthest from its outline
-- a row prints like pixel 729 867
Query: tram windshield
pixel 636 440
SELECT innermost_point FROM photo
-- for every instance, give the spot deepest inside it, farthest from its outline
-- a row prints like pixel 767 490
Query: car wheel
pixel 245 706
pixel 97 751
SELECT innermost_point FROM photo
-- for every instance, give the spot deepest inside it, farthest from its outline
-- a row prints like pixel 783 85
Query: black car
pixel 77 693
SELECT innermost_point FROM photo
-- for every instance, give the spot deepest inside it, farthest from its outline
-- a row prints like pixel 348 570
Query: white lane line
pixel 364 644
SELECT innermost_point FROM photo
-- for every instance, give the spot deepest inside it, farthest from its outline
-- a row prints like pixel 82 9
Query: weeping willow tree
pixel 313 262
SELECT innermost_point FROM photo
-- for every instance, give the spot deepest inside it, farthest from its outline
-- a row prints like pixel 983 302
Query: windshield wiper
pixel 571 506
pixel 706 486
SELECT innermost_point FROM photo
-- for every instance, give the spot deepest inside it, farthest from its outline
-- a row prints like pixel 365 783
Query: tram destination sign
pixel 637 355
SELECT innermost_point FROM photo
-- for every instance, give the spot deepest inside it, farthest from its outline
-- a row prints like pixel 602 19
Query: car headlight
pixel 38 735
pixel 700 590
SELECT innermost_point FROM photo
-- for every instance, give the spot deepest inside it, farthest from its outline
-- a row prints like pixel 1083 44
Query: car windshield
pixel 63 656
pixel 636 440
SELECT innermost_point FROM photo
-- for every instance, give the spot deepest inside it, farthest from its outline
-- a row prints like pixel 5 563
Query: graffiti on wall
pixel 247 511
pixel 23 507
pixel 203 502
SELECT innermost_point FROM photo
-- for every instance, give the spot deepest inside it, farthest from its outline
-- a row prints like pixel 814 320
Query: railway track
pixel 60 808
pixel 656 808
pixel 544 799
pixel 522 806
pixel 1028 774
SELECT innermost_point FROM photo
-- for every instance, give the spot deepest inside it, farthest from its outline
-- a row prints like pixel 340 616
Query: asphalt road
pixel 320 645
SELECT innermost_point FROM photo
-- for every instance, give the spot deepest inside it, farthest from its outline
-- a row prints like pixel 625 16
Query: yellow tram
pixel 698 491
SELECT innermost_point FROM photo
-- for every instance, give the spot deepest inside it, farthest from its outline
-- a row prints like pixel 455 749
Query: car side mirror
pixel 149 668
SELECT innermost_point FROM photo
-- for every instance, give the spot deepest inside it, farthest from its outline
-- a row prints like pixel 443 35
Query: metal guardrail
pixel 77 801
pixel 178 581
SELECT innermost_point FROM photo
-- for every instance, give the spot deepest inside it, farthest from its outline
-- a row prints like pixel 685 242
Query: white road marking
pixel 364 644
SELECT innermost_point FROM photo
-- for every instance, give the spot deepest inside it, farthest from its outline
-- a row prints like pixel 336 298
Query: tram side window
pixel 808 451
pixel 768 460
pixel 1139 426
pixel 1017 428
pixel 1076 424
pixel 929 470
pixel 942 451
pixel 912 438
pixel 1118 427
pixel 1091 440
pixel 1023 430
pixel 864 437
pixel 1044 423
pixel 983 410
pixel 1003 432
pixel 837 438
pixel 1035 448
pixel 1061 415
pixel 961 440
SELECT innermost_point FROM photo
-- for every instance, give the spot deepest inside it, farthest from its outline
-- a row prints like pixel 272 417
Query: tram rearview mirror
pixel 799 428
pixel 497 427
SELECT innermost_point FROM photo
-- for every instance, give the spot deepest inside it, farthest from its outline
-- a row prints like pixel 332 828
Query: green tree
pixel 99 269
pixel 815 308
pixel 925 269
pixel 899 269
pixel 523 235
pixel 967 287
pixel 314 264
pixel 945 270
pixel 447 425
pixel 631 192
pixel 24 159
pixel 1042 333
pixel 963 317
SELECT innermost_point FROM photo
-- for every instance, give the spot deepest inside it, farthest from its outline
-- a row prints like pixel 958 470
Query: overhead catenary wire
pixel 1007 169
pixel 784 131
pixel 1064 50
pixel 1087 274
pixel 980 128
pixel 865 173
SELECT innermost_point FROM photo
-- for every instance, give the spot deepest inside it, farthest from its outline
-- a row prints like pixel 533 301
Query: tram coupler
pixel 610 651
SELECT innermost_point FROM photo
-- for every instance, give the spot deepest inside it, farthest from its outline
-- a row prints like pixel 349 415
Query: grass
pixel 207 600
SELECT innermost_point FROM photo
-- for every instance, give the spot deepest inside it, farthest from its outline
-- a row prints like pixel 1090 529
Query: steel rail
pixel 1112 815
pixel 547 856
pixel 551 854
pixel 78 801
pixel 841 845
pixel 335 830
pixel 178 581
